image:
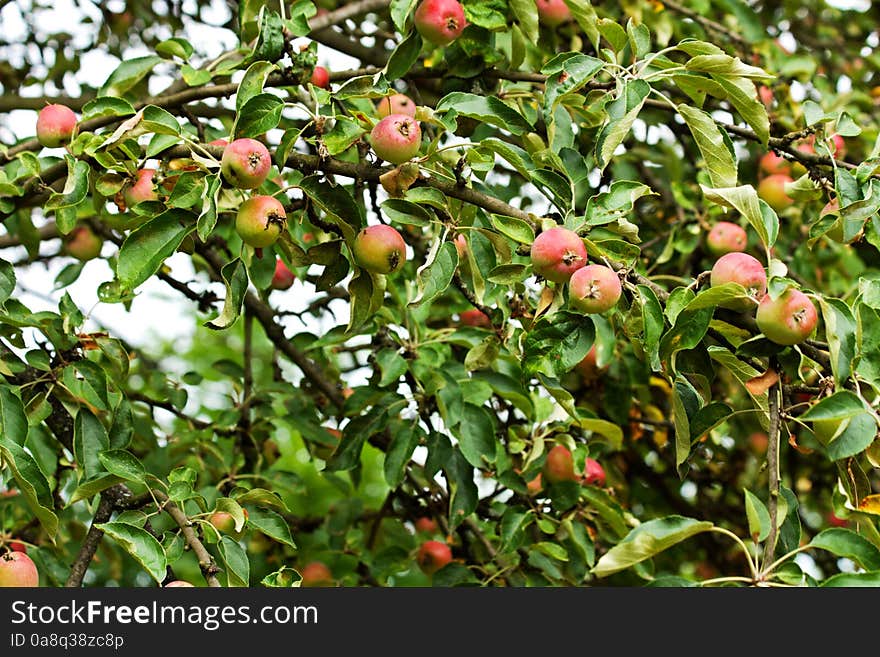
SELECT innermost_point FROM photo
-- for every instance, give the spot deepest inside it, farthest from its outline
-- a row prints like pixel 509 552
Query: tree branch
pixel 206 561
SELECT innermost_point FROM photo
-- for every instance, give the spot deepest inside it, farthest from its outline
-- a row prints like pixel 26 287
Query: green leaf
pixel 711 140
pixel 744 199
pixel 76 187
pixel 743 372
pixel 32 483
pixel 128 74
pixel 727 66
pixel 742 95
pixel 847 543
pixel 758 516
pixel 403 444
pixel 654 323
pixel 252 82
pixel 106 106
pixel 400 11
pixel 337 202
pixel 567 73
pixel 557 343
pixel 140 544
pixel 13 421
pixel 487 109
pixel 622 113
pixel 840 330
pixel 284 577
pixel 646 540
pixel 344 133
pixel 463 490
pixel 259 114
pixel 689 329
pixel 839 406
pixel 850 580
pixel 476 435
pixel 89 440
pixel 435 275
pixel 404 56
pixel 148 246
pixel 526 14
pixel 516 229
pixel 7 282
pixel 261 497
pixel 585 16
pixel 238 568
pixel 174 47
pixel 235 279
pixel 88 488
pixel 270 40
pixel 272 525
pixel 401 211
pixel 123 464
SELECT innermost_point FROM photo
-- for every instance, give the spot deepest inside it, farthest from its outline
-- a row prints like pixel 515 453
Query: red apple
pixel 553 12
pixel 245 163
pixel 18 569
pixel 260 220
pixel 726 237
pixel 440 22
pixel 380 249
pixel 594 289
pixel 559 465
pixel 432 556
pixel 283 278
pixel 396 104
pixel 316 574
pixel 772 190
pixel 788 319
pixel 55 125
pixel 397 138
pixel 557 253
pixel 320 77
pixel 743 269
pixel 594 473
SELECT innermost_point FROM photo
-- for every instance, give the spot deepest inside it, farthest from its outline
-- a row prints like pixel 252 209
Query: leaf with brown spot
pixel 760 384
pixel 870 504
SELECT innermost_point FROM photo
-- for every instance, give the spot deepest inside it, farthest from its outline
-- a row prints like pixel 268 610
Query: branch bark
pixel 206 562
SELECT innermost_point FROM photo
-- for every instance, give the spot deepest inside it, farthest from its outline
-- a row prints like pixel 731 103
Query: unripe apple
pixel 432 556
pixel 283 278
pixel 426 525
pixel 178 583
pixel 726 237
pixel 559 465
pixel 396 138
pixel 771 163
pixel 18 569
pixel 396 104
pixel 594 473
pixel 142 188
pixel 534 485
pixel 225 523
pixel 588 367
pixel 320 77
pixel 743 269
pixel 788 319
pixel 55 125
pixel 557 253
pixel 594 289
pixel 475 317
pixel 772 190
pixel 553 12
pixel 440 21
pixel 260 220
pixel 83 244
pixel 245 163
pixel 316 573
pixel 380 249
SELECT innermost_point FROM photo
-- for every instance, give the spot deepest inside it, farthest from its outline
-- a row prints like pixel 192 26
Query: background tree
pixel 457 315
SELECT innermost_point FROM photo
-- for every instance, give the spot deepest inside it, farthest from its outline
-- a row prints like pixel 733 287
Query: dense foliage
pixel 451 411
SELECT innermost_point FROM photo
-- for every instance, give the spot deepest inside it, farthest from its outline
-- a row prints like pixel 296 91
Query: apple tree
pixel 498 293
